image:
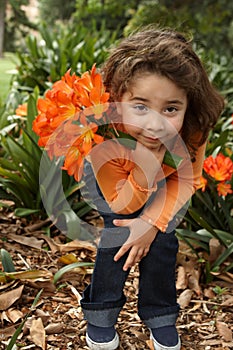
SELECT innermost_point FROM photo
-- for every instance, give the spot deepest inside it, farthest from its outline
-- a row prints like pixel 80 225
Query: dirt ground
pixel 56 321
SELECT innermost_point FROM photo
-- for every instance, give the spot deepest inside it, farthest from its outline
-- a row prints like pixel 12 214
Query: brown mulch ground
pixel 56 322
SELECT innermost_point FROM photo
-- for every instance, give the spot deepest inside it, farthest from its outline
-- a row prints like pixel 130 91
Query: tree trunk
pixel 2 24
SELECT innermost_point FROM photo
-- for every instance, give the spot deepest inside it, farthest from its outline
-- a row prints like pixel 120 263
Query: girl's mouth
pixel 151 138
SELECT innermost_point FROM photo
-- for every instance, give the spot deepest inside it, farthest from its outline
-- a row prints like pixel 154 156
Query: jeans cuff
pixel 102 318
pixel 102 314
pixel 161 321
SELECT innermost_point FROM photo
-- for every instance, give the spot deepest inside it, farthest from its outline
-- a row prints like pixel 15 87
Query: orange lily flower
pixel 74 163
pixel 70 79
pixel 89 80
pixel 58 143
pixel 83 144
pixel 219 168
pixel 93 92
pixel 21 110
pixel 203 183
pixel 224 189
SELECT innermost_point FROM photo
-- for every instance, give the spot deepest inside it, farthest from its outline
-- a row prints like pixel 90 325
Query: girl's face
pixel 153 110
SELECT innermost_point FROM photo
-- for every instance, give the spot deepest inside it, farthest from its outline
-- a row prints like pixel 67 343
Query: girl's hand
pixel 138 244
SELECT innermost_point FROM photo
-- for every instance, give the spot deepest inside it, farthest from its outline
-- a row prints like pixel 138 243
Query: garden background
pixel 47 251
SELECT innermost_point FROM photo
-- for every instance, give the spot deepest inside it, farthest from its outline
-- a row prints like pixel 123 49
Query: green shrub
pixel 46 58
pixel 210 213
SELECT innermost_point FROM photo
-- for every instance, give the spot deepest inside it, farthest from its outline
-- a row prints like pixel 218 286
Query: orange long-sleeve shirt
pixel 113 164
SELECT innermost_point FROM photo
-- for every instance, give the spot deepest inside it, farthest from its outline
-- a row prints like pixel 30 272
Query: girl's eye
pixel 170 110
pixel 140 108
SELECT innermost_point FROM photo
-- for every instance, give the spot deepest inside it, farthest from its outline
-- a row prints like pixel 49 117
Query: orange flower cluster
pixel 220 169
pixel 62 123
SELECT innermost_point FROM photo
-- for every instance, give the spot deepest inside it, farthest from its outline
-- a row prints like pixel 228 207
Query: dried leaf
pixel 8 298
pixel 226 276
pixel 47 285
pixel 76 293
pixel 195 307
pixel 193 282
pixel 7 332
pixel 25 275
pixel 73 245
pixel 228 301
pixel 205 308
pixel 43 315
pixel 37 333
pixel 185 298
pixel 37 225
pixel 150 344
pixel 29 241
pixel 181 282
pixel 9 285
pixel 209 293
pixel 224 331
pixel 68 259
pixel 191 271
pixel 215 249
pixel 4 317
pixel 54 328
pixel 52 244
pixel 14 315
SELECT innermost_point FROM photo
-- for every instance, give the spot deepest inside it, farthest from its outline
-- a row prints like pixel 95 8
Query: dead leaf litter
pixel 56 321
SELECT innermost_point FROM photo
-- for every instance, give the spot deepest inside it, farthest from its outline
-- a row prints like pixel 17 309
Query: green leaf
pixel 205 198
pixel 7 262
pixel 22 212
pixel 221 141
pixel 17 188
pixel 6 164
pixel 193 239
pixel 172 160
pixel 73 188
pixel 13 176
pixel 82 208
pixel 30 144
pixel 225 236
pixel 194 235
pixel 189 244
pixel 74 229
pixel 51 188
pixel 24 161
pixel 31 113
pixel 226 212
pixel 197 216
pixel 224 256
pixel 32 45
pixel 70 267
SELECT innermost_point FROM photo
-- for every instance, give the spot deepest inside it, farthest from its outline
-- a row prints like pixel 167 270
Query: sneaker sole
pixel 158 346
pixel 112 345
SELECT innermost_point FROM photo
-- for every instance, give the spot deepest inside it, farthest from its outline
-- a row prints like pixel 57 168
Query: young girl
pixel 166 102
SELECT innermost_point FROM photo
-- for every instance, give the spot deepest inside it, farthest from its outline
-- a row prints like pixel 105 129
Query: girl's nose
pixel 155 122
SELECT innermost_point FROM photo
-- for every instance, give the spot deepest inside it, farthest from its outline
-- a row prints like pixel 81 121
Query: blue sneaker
pixel 165 338
pixel 98 338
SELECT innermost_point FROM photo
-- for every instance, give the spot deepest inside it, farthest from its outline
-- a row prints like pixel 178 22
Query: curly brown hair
pixel 170 54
